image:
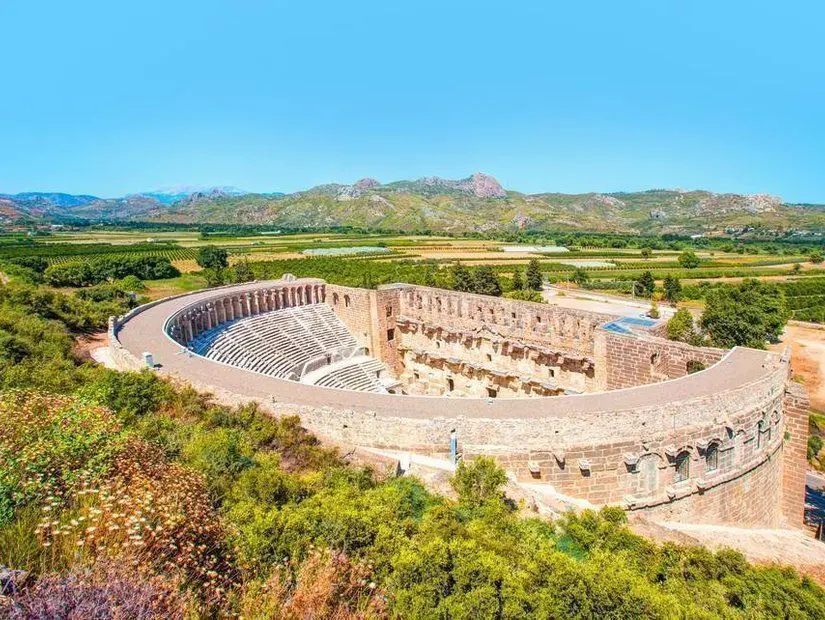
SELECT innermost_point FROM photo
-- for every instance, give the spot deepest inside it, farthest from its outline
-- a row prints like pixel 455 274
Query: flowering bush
pixel 50 445
pixel 153 515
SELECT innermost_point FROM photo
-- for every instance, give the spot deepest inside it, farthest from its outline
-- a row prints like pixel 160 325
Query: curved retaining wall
pixel 707 447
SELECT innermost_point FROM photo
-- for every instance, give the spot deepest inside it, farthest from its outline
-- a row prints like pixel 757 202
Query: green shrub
pixel 478 481
pixel 132 283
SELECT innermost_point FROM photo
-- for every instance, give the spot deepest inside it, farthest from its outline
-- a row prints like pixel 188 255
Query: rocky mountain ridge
pixel 474 203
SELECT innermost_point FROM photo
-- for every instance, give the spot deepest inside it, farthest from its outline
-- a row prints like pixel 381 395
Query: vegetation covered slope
pixel 128 496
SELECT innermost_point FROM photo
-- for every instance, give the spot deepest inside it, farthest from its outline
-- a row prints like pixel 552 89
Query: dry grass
pixel 327 586
pixel 148 514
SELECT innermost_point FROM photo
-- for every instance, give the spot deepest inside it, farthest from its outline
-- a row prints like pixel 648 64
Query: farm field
pixel 382 258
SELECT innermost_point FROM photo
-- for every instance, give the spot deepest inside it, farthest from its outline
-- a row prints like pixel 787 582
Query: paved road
pixel 598 302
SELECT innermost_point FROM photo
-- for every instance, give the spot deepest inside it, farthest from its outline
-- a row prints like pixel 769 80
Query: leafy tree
pixel 462 278
pixel 214 277
pixel 242 272
pixel 486 282
pixel 816 257
pixel 689 260
pixel 745 315
pixel 478 481
pixel 212 257
pixel 647 283
pixel 673 289
pixel 646 253
pixel 525 295
pixel 580 276
pixel 680 326
pixel 518 281
pixel 93 271
pixel 533 275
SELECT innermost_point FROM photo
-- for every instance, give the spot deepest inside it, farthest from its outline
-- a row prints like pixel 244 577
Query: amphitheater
pixel 600 409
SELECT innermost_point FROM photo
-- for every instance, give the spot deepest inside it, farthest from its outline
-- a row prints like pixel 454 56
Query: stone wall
pixel 482 364
pixel 562 328
pixel 797 408
pixel 370 316
pixel 639 359
pixel 722 429
pixel 354 307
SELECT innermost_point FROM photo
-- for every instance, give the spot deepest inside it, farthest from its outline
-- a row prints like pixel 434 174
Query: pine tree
pixel 534 278
pixel 518 282
pixel 485 281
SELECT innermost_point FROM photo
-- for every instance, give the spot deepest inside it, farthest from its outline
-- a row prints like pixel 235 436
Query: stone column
pixel 207 316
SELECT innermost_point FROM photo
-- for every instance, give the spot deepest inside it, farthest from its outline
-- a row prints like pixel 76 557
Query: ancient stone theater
pixel 600 409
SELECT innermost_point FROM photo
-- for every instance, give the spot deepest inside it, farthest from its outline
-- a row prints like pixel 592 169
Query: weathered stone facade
pixel 725 445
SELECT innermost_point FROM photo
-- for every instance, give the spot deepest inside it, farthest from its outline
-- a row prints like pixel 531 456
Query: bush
pixel 478 481
pixel 130 395
pixel 680 326
pixel 48 446
pixel 689 260
pixel 132 283
pixel 580 276
pixel 526 295
pixel 107 590
pixel 814 447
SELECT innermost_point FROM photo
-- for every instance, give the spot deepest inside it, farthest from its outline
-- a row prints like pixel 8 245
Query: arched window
pixel 346 301
pixel 694 366
pixel 682 472
pixel 763 432
pixel 335 299
pixel 712 457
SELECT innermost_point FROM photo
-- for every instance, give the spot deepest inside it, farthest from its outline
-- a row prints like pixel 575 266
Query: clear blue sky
pixel 113 97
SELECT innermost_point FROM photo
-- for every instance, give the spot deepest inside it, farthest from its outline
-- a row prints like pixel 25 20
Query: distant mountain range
pixel 475 203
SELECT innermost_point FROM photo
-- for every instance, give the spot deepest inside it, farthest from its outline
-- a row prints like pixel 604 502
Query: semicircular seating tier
pixel 305 343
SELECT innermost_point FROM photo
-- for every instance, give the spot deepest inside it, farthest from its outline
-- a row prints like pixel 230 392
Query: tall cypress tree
pixel 518 281
pixel 534 278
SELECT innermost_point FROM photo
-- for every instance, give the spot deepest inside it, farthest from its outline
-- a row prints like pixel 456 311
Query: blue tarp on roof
pixel 624 325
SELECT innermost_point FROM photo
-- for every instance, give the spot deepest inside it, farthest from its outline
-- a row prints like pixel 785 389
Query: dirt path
pixel 807 359
pixel 85 344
